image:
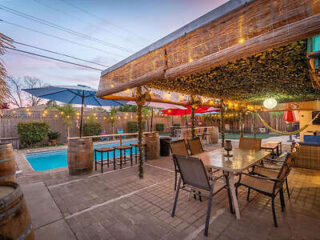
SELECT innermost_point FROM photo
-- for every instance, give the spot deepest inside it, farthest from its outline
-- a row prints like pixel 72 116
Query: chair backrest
pixel 195 146
pixel 192 171
pixel 179 147
pixel 285 169
pixel 250 143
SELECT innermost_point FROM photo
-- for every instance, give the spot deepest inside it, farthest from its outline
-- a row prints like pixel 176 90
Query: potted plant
pixel 52 137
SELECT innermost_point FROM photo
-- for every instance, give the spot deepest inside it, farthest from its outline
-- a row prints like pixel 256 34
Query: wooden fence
pixel 8 124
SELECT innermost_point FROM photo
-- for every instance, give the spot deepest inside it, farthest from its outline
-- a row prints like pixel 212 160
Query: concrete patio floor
pixel 118 205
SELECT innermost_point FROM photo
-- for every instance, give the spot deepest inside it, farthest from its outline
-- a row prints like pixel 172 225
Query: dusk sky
pixel 120 28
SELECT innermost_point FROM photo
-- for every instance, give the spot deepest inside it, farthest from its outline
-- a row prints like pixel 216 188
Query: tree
pixel 146 112
pixel 32 82
pixel 113 114
pixel 128 108
pixel 68 114
pixel 17 97
pixel 4 42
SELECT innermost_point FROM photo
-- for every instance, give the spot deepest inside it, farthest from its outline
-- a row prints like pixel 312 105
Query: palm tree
pixel 4 42
pixel 113 114
pixel 68 114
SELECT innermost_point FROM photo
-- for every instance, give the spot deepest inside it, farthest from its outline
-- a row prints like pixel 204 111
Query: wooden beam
pixel 124 98
pixel 283 35
pixel 140 81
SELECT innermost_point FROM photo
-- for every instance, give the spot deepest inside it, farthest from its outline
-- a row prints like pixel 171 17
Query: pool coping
pixel 26 169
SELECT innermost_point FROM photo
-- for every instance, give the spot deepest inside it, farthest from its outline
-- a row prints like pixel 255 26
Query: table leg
pixel 101 161
pixel 229 192
pixel 234 196
pixel 108 159
pixel 114 159
pixel 95 160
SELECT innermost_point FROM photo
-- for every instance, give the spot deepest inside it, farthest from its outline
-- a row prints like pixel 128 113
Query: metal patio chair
pixel 194 175
pixel 268 186
pixel 178 147
pixel 195 145
pixel 271 167
pixel 250 143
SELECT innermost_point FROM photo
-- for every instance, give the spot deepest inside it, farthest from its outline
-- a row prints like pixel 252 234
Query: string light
pixel 241 40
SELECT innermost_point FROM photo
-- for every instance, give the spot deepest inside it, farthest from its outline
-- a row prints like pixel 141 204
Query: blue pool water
pixel 57 159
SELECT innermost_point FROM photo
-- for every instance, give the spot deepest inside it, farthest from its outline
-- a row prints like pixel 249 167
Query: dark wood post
pixel 241 123
pixel 151 123
pixel 193 121
pixel 222 126
pixel 254 125
pixel 140 133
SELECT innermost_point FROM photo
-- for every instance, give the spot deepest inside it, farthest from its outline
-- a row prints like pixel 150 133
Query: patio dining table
pixel 232 166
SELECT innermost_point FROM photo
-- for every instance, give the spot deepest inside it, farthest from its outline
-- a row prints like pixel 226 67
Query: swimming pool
pixel 57 159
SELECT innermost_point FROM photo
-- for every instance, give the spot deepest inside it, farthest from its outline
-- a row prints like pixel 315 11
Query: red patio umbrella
pixel 176 111
pixel 290 116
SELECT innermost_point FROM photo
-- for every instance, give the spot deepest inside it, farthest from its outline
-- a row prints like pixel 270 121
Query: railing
pixel 179 132
pixel 113 136
pixel 13 140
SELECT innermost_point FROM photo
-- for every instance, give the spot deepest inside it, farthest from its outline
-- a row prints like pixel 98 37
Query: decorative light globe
pixel 270 103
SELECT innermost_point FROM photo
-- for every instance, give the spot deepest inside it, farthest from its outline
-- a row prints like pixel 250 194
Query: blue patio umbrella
pixel 79 94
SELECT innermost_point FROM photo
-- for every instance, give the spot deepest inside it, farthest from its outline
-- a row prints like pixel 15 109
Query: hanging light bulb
pixel 270 103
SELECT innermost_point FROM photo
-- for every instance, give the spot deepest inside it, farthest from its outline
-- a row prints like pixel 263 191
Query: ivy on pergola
pixel 282 73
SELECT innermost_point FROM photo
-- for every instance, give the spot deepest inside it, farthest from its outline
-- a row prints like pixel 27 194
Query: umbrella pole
pixel 81 119
pixel 139 112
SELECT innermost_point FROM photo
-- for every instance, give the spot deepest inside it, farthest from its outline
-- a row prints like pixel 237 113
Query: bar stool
pixel 101 151
pixel 123 154
pixel 144 146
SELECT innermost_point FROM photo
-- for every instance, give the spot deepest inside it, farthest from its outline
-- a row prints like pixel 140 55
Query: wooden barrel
pixel 80 156
pixel 7 163
pixel 15 222
pixel 152 141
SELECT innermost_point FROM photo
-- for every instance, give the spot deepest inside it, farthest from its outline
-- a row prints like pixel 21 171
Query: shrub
pixel 176 125
pixel 92 129
pixel 133 126
pixel 53 135
pixel 33 132
pixel 160 127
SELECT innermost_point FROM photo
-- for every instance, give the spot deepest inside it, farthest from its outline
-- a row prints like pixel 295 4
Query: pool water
pixel 57 159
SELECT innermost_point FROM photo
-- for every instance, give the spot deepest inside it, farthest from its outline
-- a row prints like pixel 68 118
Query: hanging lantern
pixel 270 103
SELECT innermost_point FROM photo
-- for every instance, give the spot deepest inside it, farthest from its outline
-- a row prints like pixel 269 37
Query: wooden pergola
pixel 242 51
